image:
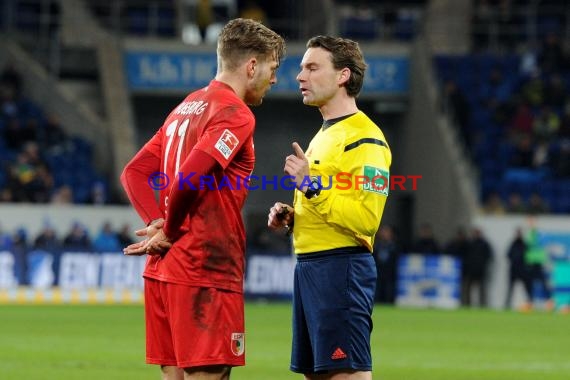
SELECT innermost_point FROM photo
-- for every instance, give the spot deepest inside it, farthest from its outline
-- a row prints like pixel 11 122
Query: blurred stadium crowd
pixel 40 163
pixel 77 239
pixel 513 114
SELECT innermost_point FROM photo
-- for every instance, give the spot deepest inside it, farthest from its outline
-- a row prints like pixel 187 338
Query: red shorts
pixel 190 326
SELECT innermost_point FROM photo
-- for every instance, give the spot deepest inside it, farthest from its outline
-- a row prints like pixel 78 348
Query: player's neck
pixel 234 81
pixel 337 107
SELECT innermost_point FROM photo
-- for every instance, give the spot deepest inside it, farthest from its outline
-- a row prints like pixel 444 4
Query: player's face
pixel 264 76
pixel 318 79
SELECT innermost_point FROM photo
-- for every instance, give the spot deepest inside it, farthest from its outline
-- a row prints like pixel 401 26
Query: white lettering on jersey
pixel 195 107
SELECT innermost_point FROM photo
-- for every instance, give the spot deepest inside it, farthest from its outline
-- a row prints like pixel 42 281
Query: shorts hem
pixel 193 364
pixel 300 370
pixel 210 363
pixel 324 369
pixel 161 362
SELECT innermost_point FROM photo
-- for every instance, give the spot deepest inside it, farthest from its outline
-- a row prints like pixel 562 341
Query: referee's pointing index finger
pixel 298 150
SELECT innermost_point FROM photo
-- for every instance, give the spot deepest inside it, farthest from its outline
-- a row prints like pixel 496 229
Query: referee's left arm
pixel 354 209
pixel 358 194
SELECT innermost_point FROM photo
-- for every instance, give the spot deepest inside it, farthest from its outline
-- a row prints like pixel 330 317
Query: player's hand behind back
pixel 150 245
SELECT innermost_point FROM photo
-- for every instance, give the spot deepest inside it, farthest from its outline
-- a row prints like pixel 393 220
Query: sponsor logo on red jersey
pixel 227 143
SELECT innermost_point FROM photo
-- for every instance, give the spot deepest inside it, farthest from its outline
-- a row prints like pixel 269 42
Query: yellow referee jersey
pixel 352 159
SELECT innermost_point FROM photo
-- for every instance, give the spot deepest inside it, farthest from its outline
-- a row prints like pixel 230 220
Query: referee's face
pixel 318 79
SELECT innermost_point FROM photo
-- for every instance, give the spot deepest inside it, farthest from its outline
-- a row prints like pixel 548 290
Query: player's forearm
pixel 185 190
pixel 134 179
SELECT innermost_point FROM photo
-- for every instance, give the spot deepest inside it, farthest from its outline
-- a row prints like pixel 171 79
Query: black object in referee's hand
pixel 281 215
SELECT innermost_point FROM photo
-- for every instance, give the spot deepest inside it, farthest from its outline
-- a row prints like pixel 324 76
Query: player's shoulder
pixel 225 97
pixel 224 103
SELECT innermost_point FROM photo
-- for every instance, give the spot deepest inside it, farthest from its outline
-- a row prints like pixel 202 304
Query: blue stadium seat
pixel 138 20
pixel 82 147
pixel 561 203
pixel 7 155
pixel 27 16
pixel 406 25
pixel 166 22
pixel 547 24
pixel 3 177
pixel 359 29
pixel 81 194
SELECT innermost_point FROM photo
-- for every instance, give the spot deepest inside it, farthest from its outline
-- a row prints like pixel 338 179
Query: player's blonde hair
pixel 241 38
pixel 344 53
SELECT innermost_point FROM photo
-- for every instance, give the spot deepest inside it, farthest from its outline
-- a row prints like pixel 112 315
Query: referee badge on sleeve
pixel 238 343
pixel 378 180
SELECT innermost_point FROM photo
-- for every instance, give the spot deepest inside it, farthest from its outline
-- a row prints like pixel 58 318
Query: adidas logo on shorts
pixel 338 354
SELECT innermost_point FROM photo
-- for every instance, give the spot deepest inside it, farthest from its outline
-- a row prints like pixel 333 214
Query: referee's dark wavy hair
pixel 344 53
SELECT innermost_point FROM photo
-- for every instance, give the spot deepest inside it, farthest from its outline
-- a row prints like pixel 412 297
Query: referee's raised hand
pixel 297 165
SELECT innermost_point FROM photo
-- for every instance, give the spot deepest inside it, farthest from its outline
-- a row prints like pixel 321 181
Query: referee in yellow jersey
pixel 342 185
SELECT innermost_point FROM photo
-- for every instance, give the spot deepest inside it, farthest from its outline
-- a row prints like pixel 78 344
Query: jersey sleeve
pixel 154 145
pixel 135 177
pixel 358 194
pixel 226 133
pixel 183 196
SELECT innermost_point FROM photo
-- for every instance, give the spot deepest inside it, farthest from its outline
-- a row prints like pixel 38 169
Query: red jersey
pixel 211 251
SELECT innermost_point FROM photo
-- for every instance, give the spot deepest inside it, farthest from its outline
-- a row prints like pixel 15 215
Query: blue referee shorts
pixel 333 297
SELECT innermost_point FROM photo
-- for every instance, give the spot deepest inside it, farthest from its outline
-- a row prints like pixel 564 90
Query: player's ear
pixel 251 67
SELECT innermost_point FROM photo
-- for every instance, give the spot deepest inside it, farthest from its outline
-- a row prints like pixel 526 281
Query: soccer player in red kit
pixel 195 236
